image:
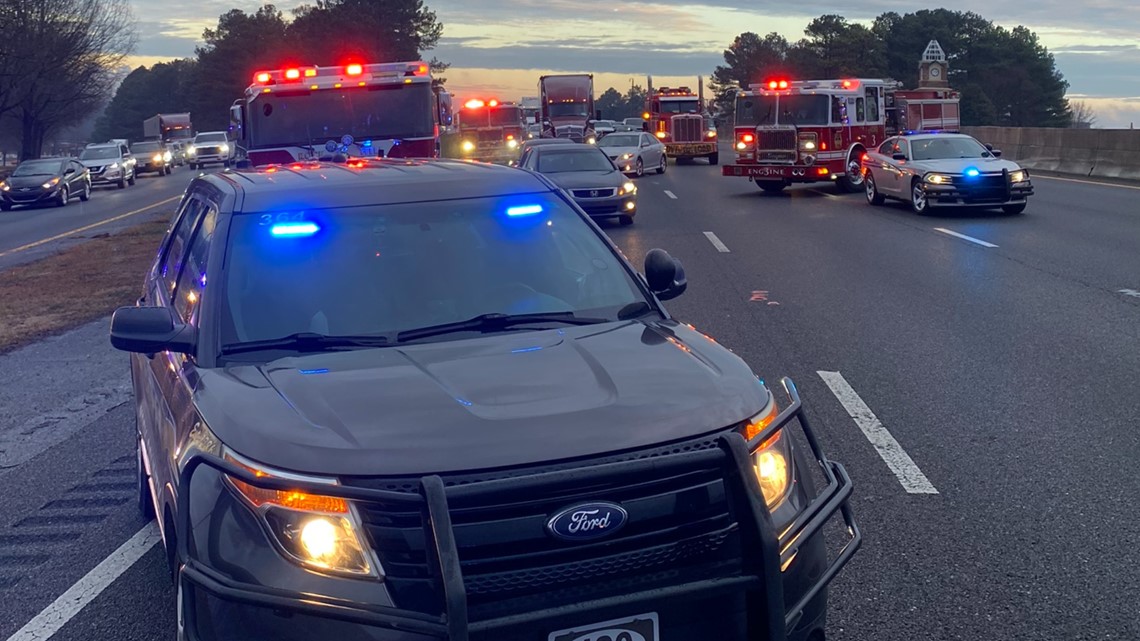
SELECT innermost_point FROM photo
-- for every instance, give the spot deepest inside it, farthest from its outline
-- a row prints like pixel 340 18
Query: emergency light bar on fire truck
pixel 387 109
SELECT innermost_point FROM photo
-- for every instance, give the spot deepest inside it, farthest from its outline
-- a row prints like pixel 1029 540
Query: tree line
pixel 326 33
pixel 60 59
pixel 1006 77
pixel 615 105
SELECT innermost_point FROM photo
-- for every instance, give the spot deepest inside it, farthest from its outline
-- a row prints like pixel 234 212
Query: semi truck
pixel 567 103
pixel 168 127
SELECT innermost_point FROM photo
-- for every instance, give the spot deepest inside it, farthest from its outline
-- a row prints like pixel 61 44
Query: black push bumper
pixel 764 554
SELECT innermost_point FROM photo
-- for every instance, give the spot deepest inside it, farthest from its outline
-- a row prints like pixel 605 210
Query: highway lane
pixel 1005 374
pixel 24 230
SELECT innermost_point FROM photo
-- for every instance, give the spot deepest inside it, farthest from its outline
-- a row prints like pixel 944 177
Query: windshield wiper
pixel 494 323
pixel 306 342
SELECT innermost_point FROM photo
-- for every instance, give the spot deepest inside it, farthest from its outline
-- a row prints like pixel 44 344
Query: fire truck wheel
pixel 852 179
pixel 873 195
pixel 714 158
pixel 664 164
pixel 639 169
pixel 771 186
pixel 918 200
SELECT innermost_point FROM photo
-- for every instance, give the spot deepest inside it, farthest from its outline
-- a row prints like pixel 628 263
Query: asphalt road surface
pixel 981 389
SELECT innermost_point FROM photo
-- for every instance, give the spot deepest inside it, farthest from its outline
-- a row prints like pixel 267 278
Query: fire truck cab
pixel 491 131
pixel 678 118
pixel 299 113
pixel 818 130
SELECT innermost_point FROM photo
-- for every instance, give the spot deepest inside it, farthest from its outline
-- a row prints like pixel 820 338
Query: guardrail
pixel 1103 153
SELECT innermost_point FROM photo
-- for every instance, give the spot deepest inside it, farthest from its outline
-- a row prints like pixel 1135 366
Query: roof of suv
pixel 372 182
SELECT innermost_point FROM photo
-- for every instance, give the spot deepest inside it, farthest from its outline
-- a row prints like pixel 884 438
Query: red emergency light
pixel 493 103
pixel 474 104
pixel 777 84
pixel 262 77
pixel 354 70
pixel 292 74
pixel 748 138
pixel 850 84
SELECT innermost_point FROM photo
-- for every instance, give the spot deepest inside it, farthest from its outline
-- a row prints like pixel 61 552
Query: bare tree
pixel 65 57
pixel 1083 114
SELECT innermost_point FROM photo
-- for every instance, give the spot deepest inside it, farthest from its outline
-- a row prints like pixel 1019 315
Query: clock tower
pixel 933 68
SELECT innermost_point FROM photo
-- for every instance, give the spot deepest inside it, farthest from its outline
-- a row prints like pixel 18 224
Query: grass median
pixel 76 286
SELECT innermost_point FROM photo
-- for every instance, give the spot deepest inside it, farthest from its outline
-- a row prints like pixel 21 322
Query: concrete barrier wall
pixel 1105 153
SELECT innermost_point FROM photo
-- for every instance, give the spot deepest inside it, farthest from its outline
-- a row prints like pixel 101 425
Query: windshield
pixel 201 138
pixel 39 168
pixel 604 123
pixel 384 269
pixel 505 117
pixel 636 122
pixel 392 111
pixel 99 153
pixel 793 110
pixel 680 106
pixel 618 140
pixel 145 147
pixel 568 110
pixel 563 160
pixel 934 148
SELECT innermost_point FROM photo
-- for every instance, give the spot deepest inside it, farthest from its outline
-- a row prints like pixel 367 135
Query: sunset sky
pixel 500 48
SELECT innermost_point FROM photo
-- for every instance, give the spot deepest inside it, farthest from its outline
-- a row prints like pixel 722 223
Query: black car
pixel 431 400
pixel 153 157
pixel 46 180
pixel 588 174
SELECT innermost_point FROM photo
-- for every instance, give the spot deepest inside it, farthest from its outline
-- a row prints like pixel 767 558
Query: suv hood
pixel 497 401
pixel 959 165
pixel 100 162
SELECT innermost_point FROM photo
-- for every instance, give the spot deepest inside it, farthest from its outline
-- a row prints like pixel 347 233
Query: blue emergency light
pixel 294 230
pixel 971 172
pixel 524 210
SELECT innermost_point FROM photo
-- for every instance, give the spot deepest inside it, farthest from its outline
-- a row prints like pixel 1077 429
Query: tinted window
pixel 192 280
pixel 172 262
pixel 573 160
pixel 619 140
pixel 99 153
pixel 145 147
pixel 382 269
pixel 936 147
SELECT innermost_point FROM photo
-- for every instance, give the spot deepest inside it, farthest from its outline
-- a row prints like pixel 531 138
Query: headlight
pixel 661 135
pixel 1018 176
pixel 468 145
pixel 807 145
pixel 225 148
pixel 742 146
pixel 591 140
pixel 627 188
pixel 4 186
pixel 626 156
pixel 51 183
pixel 157 158
pixel 772 460
pixel 167 156
pixel 190 151
pixel 938 179
pixel 711 134
pixel 113 165
pixel 316 531
pixel 512 144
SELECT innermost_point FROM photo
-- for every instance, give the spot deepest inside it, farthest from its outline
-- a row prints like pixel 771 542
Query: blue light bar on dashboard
pixel 294 230
pixel 524 210
pixel 971 171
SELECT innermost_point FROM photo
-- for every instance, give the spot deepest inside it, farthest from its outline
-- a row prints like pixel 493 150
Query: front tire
pixel 122 184
pixel 664 164
pixel 639 168
pixel 86 195
pixel 872 190
pixel 919 203
pixel 131 180
pixel 714 159
pixel 1013 210
pixel 63 198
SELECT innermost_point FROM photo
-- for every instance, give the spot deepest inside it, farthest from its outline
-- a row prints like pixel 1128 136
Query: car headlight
pixel 157 158
pixel 772 460
pixel 1018 176
pixel 51 183
pixel 512 144
pixel 628 188
pixel 4 186
pixel 938 179
pixel 191 150
pixel 626 156
pixel 318 532
pixel 591 140
pixel 113 165
pixel 711 134
pixel 225 148
pixel 167 156
pixel 807 145
pixel 468 145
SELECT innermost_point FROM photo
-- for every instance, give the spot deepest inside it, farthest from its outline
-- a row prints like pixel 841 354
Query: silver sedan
pixel 944 170
pixel 635 152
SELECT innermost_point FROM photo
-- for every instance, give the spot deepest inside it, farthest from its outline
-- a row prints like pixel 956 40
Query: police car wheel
pixel 872 190
pixel 918 200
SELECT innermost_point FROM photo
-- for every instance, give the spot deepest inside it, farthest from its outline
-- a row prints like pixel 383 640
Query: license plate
pixel 642 627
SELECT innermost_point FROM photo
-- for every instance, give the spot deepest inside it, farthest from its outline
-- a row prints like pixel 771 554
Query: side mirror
pixel 989 147
pixel 149 330
pixel 899 156
pixel 70 170
pixel 665 275
pixel 996 153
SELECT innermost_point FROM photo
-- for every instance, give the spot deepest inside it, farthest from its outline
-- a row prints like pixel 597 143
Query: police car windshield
pixel 782 110
pixel 553 161
pixel 385 269
pixel 39 168
pixel 99 153
pixel 619 140
pixel 939 148
pixel 680 106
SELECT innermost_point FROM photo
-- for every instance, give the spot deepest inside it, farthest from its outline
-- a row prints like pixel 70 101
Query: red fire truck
pixel 490 130
pixel 818 130
pixel 369 110
pixel 678 117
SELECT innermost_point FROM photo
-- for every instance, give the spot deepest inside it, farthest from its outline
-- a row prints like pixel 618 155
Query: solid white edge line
pixel 896 458
pixel 965 237
pixel 52 618
pixel 716 242
pixel 670 194
pixel 1083 182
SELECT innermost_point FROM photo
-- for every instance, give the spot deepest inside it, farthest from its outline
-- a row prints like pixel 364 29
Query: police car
pixel 430 400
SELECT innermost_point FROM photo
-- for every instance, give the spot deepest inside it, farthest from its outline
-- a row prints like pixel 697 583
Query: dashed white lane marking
pixel 1129 292
pixel 716 242
pixel 670 194
pixel 896 458
pixel 965 237
pixel 827 195
pixel 70 603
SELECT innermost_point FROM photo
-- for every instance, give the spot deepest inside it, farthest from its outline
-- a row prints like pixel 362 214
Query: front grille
pixel 776 144
pixel 593 193
pixel 984 188
pixel 575 133
pixel 202 151
pixel 490 135
pixel 94 170
pixel 680 526
pixel 688 128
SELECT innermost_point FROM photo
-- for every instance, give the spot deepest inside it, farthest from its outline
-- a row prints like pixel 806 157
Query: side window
pixel 903 148
pixel 179 237
pixel 192 279
pixel 887 148
pixel 646 139
pixel 872 104
pixel 860 110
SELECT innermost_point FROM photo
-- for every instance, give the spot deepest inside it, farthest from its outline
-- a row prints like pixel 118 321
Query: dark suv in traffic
pixel 431 400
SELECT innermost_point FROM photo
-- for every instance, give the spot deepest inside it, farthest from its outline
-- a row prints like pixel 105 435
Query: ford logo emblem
pixel 587 521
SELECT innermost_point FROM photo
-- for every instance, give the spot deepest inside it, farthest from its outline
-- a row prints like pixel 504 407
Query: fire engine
pixel 678 117
pixel 490 130
pixel 818 130
pixel 369 110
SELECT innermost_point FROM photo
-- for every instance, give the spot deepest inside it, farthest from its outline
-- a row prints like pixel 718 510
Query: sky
pixel 498 48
